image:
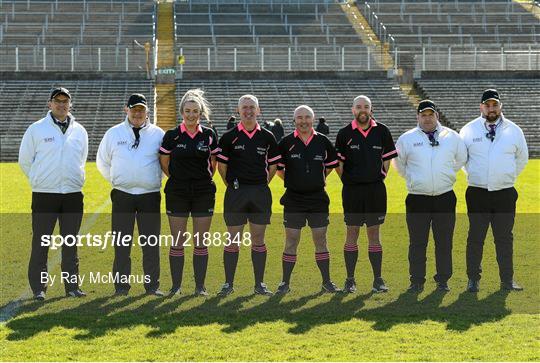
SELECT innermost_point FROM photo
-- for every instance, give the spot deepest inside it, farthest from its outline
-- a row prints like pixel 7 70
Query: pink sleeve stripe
pixel 222 157
pixel 331 163
pixel 164 150
pixel 274 158
pixel 215 151
pixel 390 153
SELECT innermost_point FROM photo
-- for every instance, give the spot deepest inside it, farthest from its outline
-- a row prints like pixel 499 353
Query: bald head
pixel 248 98
pixel 304 109
pixel 363 99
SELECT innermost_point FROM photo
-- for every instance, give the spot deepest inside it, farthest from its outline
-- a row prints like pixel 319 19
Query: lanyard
pixel 63 125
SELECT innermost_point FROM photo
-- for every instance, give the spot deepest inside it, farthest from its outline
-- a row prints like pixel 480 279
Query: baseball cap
pixel 59 91
pixel 136 99
pixel 490 94
pixel 426 105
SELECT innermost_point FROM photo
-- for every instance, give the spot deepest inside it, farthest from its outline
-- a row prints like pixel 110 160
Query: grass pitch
pixel 304 325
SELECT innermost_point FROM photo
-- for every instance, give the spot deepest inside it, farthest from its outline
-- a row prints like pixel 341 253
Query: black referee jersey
pixel 189 155
pixel 305 164
pixel 363 152
pixel 248 154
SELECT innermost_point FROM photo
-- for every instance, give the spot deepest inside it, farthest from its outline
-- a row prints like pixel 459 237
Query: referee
pixel 247 163
pixel 128 158
pixel 307 157
pixel 497 153
pixel 52 155
pixel 187 157
pixel 430 155
pixel 365 148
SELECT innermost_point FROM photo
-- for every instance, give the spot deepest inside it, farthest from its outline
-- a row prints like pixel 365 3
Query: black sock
pixel 323 262
pixel 375 257
pixel 230 260
pixel 258 258
pixel 200 263
pixel 350 252
pixel 288 262
pixel 176 262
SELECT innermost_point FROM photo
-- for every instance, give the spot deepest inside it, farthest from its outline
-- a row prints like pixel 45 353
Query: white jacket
pixel 430 170
pixel 494 165
pixel 131 170
pixel 54 162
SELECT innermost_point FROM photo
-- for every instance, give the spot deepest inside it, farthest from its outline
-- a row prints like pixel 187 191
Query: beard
pixel 363 117
pixel 492 117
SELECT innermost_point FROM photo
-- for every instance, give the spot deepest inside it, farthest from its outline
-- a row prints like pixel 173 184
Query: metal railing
pixel 278 58
pixel 76 59
pixel 469 58
pixel 267 58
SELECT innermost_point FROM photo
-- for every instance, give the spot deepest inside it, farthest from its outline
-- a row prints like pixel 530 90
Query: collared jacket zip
pixel 54 162
pixel 131 170
pixel 430 170
pixel 494 165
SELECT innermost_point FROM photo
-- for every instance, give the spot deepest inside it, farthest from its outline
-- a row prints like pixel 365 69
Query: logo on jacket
pixel 239 147
pixel 123 142
pixel 201 146
pixel 48 139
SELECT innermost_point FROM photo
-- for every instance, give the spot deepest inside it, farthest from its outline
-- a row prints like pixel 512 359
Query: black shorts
pixel 302 207
pixel 364 204
pixel 197 200
pixel 248 202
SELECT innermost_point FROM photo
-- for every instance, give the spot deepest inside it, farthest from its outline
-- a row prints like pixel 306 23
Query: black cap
pixel 490 94
pixel 59 91
pixel 426 105
pixel 136 99
pixel 232 118
pixel 322 119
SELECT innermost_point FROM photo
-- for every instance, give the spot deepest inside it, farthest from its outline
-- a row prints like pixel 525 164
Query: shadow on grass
pixel 461 315
pixel 97 317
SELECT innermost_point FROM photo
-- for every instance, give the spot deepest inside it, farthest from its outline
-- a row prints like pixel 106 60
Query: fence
pixel 268 58
pixel 82 58
pixel 278 58
pixel 469 58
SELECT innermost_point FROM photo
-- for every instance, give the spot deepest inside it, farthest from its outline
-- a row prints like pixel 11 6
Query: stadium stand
pixel 459 99
pixel 97 105
pixel 274 30
pixel 75 23
pixel 436 23
pixel 263 24
pixel 329 98
pixel 250 25
pixel 93 35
